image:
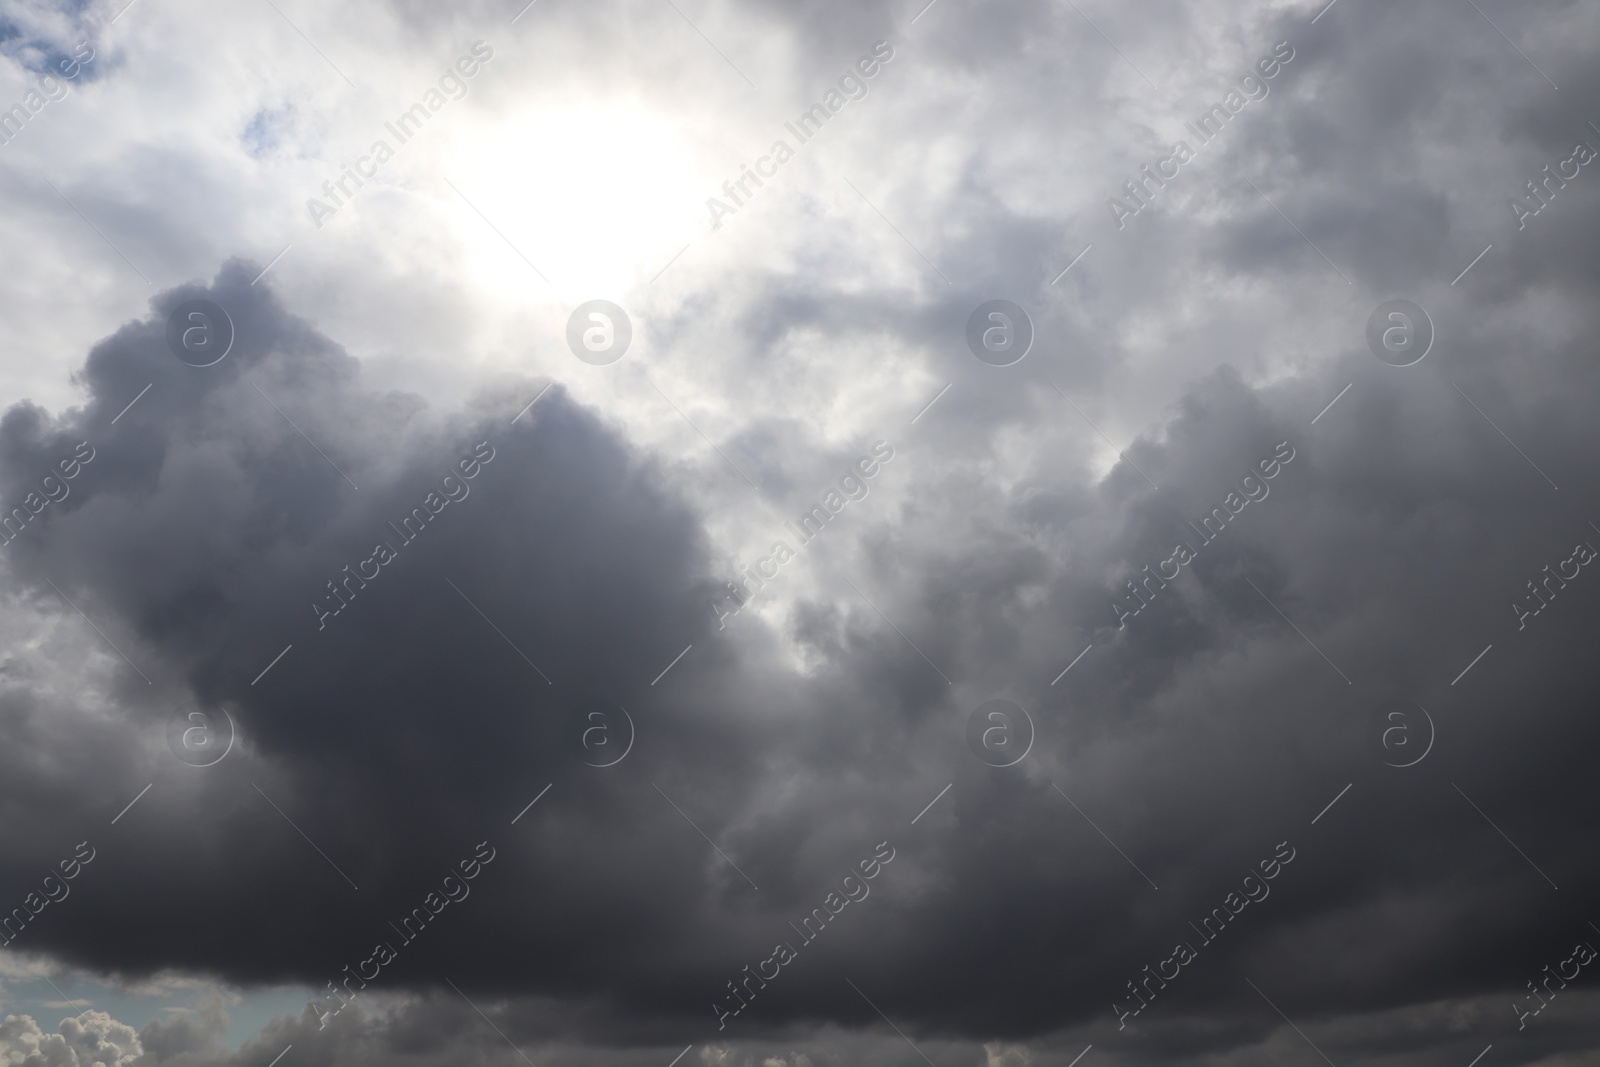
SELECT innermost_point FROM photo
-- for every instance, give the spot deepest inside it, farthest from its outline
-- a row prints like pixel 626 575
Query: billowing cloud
pixel 92 1040
pixel 593 713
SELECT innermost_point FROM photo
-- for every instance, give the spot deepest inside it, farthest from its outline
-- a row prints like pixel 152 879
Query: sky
pixel 727 533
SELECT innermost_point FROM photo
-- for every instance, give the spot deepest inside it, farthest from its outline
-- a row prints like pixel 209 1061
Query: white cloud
pixel 93 1039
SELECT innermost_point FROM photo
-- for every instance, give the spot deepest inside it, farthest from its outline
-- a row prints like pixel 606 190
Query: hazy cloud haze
pixel 1081 557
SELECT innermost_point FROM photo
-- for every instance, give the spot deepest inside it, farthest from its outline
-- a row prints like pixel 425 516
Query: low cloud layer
pixel 1206 683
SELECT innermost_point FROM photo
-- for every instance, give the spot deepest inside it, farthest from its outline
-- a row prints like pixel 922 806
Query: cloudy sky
pixel 792 534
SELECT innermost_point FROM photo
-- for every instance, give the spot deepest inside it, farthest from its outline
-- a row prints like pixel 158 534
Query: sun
pixel 599 195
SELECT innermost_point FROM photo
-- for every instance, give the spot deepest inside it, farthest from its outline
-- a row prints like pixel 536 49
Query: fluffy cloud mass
pixel 769 665
pixel 92 1040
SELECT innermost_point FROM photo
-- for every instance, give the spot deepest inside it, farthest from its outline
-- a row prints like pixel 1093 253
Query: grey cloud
pixel 1220 721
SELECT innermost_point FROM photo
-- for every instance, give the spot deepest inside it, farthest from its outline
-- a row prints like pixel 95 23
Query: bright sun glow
pixel 599 197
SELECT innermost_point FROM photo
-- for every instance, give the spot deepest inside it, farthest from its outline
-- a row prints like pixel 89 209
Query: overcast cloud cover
pixel 521 766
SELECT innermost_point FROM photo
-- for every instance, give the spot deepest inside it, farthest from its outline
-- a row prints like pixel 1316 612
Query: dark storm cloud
pixel 206 527
pixel 1214 725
